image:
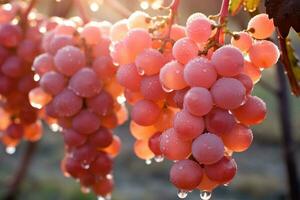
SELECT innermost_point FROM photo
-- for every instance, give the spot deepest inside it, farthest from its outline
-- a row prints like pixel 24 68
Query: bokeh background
pixel 261 175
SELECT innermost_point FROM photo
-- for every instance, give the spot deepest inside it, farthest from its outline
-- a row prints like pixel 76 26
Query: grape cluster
pixel 19 44
pixel 79 96
pixel 190 95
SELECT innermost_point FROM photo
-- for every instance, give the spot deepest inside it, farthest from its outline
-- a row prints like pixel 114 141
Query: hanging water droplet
pixel 85 190
pixel 159 159
pixel 108 197
pixel 66 174
pixel 85 165
pixel 226 184
pixel 141 71
pixel 55 127
pixel 109 176
pixel 100 198
pixel 10 150
pixel 148 162
pixel 166 89
pixel 205 195
pixel 182 194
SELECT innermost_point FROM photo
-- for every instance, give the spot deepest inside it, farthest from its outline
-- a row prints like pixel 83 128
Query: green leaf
pixel 251 5
pixel 294 60
pixel 235 6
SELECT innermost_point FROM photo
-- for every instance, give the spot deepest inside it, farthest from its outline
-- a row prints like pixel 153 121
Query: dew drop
pixel 148 162
pixel 226 184
pixel 141 71
pixel 85 190
pixel 166 89
pixel 159 159
pixel 205 195
pixel 109 176
pixel 182 194
pixel 10 150
pixel 85 166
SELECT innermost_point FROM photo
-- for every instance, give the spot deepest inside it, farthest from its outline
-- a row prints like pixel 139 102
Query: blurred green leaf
pixel 235 6
pixel 251 5
pixel 294 60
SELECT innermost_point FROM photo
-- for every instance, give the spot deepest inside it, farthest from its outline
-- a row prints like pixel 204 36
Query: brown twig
pixel 288 68
pixel 27 11
pixel 287 134
pixel 82 11
pixel 118 7
pixel 14 186
pixel 224 12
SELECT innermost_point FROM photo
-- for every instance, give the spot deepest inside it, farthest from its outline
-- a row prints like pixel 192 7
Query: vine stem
pixel 288 68
pixel 82 11
pixel 118 7
pixel 28 10
pixel 17 180
pixel 224 12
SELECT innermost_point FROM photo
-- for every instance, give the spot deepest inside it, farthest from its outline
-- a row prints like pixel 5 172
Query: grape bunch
pixel 191 94
pixel 80 97
pixel 19 44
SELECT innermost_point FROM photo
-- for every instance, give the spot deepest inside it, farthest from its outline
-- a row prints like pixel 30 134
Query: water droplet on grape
pixel 159 159
pixel 36 77
pixel 10 150
pixel 141 71
pixel 182 194
pixel 55 127
pixel 85 165
pixel 121 99
pixel 85 190
pixel 148 162
pixel 226 184
pixel 166 89
pixel 205 195
pixel 109 176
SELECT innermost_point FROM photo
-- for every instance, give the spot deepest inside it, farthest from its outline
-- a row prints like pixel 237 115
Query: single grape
pixel 246 81
pixel 103 187
pixel 102 138
pixel 262 26
pixel 200 72
pixel 141 132
pixel 102 166
pixel 142 150
pixel 188 126
pixel 119 30
pixel 154 143
pixel 128 76
pixel 228 93
pixel 115 147
pixel 72 138
pixel 85 122
pixel 228 61
pixel 91 33
pixel 186 174
pixel 139 19
pixel 13 67
pixel 184 50
pixel 102 104
pixel 252 71
pixel 53 82
pixel 145 112
pixel 43 63
pixel 199 29
pixel 207 184
pixel 242 41
pixel 208 149
pixel 104 67
pixel 151 88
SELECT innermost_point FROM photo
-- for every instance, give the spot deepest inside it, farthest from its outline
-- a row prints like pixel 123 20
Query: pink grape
pixel 67 103
pixel 101 138
pixel 58 42
pixel 85 83
pixel 198 101
pixel 53 82
pixel 264 54
pixel 199 29
pixel 200 72
pixel 128 76
pixel 104 67
pixel 187 126
pixel 102 104
pixel 85 122
pixel 149 62
pixel 228 93
pixel 27 50
pixel 171 76
pixel 208 149
pixel 228 61
pixel 43 63
pixel 184 50
pixel 91 33
pixel 172 147
pixel 246 81
pixel 10 35
pixel 262 25
pixel 145 112
pixel 186 174
pixel 151 88
pixel 69 59
pixel 102 165
pixel 13 67
pixel 119 30
pixel 243 41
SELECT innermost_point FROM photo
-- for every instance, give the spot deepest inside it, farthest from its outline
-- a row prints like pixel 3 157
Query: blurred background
pixel 262 172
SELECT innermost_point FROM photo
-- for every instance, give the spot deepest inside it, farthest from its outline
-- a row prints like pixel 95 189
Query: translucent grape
pixel 228 61
pixel 262 25
pixel 186 174
pixel 165 120
pixel 199 29
pixel 128 76
pixel 142 150
pixel 149 62
pixel 222 171
pixel 172 147
pixel 200 72
pixel 15 131
pixel 184 50
pixel 145 112
pixel 177 32
pixel 85 83
pixel 207 184
pixel 154 143
pixel 141 132
pixel 119 30
pixel 187 126
pixel 198 101
pixel 242 41
pixel 228 93
pixel 39 98
pixel 171 76
pixel 252 71
pixel 264 54
pixel 252 112
pixel 238 139
pixel 115 147
pixel 91 33
pixel 208 149
pixel 103 187
pixel 139 19
pixel 246 81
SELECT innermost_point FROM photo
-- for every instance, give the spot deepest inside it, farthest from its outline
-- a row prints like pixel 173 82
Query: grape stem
pixel 118 7
pixel 224 12
pixel 14 186
pixel 287 64
pixel 28 10
pixel 82 11
pixel 173 12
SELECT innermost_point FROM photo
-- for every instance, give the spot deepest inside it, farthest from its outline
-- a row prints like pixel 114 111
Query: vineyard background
pixel 261 174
